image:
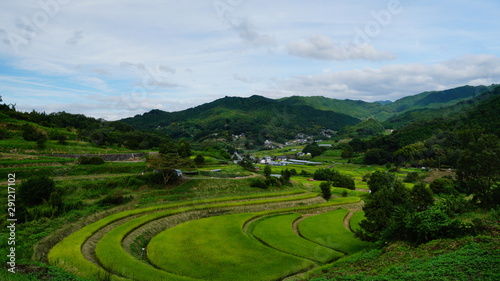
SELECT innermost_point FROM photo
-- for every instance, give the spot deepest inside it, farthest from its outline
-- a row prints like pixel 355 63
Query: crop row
pixel 217 248
pixel 67 253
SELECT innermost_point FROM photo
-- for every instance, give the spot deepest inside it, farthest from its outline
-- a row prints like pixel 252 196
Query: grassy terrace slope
pixel 118 264
pixel 67 254
pixel 219 250
pixel 277 232
pixel 328 230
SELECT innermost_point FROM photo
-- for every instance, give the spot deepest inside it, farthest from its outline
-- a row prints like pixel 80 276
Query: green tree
pixel 199 160
pixel 267 171
pixel 379 180
pixel 442 185
pixel 184 149
pixel 313 148
pixel 479 170
pixel 411 177
pixel 384 211
pixel 348 152
pixel 35 190
pixel 326 189
pixel 421 196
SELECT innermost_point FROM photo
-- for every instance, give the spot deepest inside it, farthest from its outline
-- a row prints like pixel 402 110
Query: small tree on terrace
pixel 267 171
pixel 199 160
pixel 325 189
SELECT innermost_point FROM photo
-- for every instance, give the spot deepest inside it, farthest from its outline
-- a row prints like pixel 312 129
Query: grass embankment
pixel 473 258
pixel 328 230
pixel 277 232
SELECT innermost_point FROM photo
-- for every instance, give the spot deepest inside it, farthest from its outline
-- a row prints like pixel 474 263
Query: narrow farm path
pixel 347 220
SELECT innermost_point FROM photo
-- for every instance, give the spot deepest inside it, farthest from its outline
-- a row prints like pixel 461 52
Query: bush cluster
pixel 94 160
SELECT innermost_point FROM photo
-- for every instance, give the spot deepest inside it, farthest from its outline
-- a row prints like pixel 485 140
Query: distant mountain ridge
pixel 257 117
pixel 264 118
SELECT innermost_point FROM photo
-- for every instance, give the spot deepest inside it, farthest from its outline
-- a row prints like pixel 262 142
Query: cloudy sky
pixel 116 58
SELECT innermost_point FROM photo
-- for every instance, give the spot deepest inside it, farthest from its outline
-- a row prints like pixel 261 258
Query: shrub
pixel 199 160
pixel 94 160
pixel 411 177
pixel 115 198
pixel 4 134
pixel 325 190
pixel 259 184
pixel 442 185
pixel 35 190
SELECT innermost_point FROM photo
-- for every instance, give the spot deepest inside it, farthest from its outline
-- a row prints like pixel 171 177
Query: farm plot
pixel 67 253
pixel 107 256
pixel 355 220
pixel 328 230
pixel 216 248
pixel 277 232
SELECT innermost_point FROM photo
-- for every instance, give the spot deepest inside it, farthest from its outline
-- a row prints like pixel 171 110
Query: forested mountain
pixel 437 141
pixel 355 108
pixel 261 118
pixel 423 109
pixel 257 117
pixel 386 110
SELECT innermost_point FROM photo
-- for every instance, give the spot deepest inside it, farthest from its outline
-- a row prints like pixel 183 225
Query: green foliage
pixel 314 149
pixel 433 224
pixel 199 160
pixel 411 177
pixel 479 170
pixel 367 128
pixel 267 171
pixel 259 183
pixel 35 190
pixel 257 117
pixel 379 180
pixel 114 198
pixel 377 156
pixel 336 178
pixel 348 152
pixel 326 189
pixel 421 196
pixel 442 185
pixel 93 160
pixel 384 210
pixel 30 133
pixel 445 259
pixel 247 163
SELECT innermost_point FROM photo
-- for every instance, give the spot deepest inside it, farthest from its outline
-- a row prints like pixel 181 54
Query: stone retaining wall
pixel 106 157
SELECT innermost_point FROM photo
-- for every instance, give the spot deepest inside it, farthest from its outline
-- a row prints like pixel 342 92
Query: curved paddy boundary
pixel 329 230
pixel 138 238
pixel 109 248
pixel 306 265
pixel 68 255
pixel 256 221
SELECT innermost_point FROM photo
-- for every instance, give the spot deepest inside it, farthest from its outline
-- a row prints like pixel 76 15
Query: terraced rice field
pixel 228 238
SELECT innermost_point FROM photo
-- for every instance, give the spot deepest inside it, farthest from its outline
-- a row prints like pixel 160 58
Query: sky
pixel 114 59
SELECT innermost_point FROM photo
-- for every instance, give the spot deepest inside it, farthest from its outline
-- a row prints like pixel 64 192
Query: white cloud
pixel 177 54
pixel 248 33
pixel 393 81
pixel 75 38
pixel 324 48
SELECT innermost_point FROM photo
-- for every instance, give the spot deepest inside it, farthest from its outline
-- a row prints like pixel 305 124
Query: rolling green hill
pixel 261 118
pixel 257 117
